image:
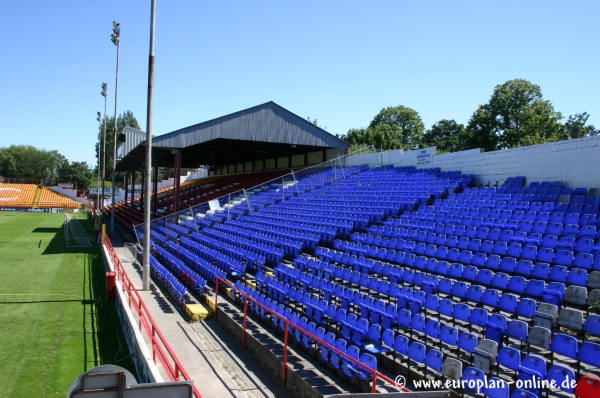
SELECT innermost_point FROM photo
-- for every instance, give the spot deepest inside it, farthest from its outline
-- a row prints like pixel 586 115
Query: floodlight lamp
pixel 115 37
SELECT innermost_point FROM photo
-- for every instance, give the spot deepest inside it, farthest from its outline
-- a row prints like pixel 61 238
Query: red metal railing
pixel 376 374
pixel 160 346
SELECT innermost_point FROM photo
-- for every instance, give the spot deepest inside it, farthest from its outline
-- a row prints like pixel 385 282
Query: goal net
pixel 75 234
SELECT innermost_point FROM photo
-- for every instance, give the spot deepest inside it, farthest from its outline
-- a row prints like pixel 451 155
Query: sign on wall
pixel 425 156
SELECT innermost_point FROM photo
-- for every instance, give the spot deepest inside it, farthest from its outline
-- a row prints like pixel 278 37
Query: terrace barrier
pixel 375 374
pixel 160 347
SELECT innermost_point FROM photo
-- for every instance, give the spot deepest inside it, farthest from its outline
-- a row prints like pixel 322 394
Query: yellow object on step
pixel 197 312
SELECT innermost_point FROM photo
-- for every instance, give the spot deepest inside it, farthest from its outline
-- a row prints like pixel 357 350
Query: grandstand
pixel 377 270
pixel 413 264
pixel 33 196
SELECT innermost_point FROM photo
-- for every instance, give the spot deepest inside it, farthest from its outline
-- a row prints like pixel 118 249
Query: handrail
pixel 376 374
pixel 174 369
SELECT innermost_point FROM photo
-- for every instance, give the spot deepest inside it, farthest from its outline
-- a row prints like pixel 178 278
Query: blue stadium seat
pixel 562 376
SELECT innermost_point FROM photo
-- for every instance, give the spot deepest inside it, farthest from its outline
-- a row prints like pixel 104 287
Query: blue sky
pixel 337 61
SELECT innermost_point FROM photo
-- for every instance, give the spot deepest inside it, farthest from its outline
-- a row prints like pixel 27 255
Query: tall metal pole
pixel 148 171
pixel 104 93
pixel 116 39
pixel 99 119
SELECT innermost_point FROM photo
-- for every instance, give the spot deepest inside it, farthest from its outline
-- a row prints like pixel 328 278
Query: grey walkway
pixel 206 354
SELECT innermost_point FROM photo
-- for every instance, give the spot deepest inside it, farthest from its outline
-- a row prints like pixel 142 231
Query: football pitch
pixel 55 322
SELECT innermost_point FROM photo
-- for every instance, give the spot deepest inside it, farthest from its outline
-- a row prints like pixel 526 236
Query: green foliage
pixel 316 123
pixel 26 161
pixel 595 307
pixel 125 119
pixel 79 173
pixel 516 115
pixel 446 136
pixel 399 127
pixel 575 126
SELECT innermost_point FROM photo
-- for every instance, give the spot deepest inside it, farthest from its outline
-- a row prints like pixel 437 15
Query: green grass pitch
pixel 55 322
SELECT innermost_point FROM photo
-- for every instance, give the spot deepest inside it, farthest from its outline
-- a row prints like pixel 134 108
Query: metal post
pixel 217 295
pixel 245 317
pixel 285 353
pixel 116 39
pixel 104 88
pixel 247 201
pixel 374 388
pixel 99 155
pixel 155 190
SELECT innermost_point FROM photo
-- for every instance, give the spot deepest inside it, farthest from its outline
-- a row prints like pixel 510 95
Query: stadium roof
pixel 262 132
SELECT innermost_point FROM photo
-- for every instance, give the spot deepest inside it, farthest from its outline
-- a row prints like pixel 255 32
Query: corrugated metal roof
pixel 133 137
pixel 268 122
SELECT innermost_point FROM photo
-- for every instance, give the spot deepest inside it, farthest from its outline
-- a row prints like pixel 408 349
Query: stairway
pixel 38 195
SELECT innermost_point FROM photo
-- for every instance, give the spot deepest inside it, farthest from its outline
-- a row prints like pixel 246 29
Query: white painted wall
pixel 575 162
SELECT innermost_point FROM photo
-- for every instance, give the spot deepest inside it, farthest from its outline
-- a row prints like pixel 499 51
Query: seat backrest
pixel 588 387
pixel 467 341
pixel 489 346
pixel 559 374
pixel 452 369
pixel 539 337
pixel 565 345
pixel 478 377
pixel 517 329
pixel 536 363
pixel 570 318
pixel 576 295
pixel 416 352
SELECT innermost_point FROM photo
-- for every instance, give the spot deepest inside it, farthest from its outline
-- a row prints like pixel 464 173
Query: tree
pixel 575 126
pixel 25 161
pixel 515 115
pixel 125 119
pixel 446 136
pixel 79 173
pixel 316 123
pixel 403 127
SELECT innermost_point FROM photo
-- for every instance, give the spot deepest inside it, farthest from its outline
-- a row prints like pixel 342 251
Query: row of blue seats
pixel 378 312
pixel 305 239
pixel 223 261
pixel 259 243
pixel 180 270
pixel 499 240
pixel 490 256
pixel 467 285
pixel 203 266
pixel 289 246
pixel 343 219
pixel 508 265
pixel 455 225
pixel 357 330
pixel 237 252
pixel 166 278
pixel 372 213
pixel 308 239
pixel 439 215
pixel 405 297
pixel 172 226
pixel 516 203
pixel 325 234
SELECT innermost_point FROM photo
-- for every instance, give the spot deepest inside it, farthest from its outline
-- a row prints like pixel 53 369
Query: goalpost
pixel 75 234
